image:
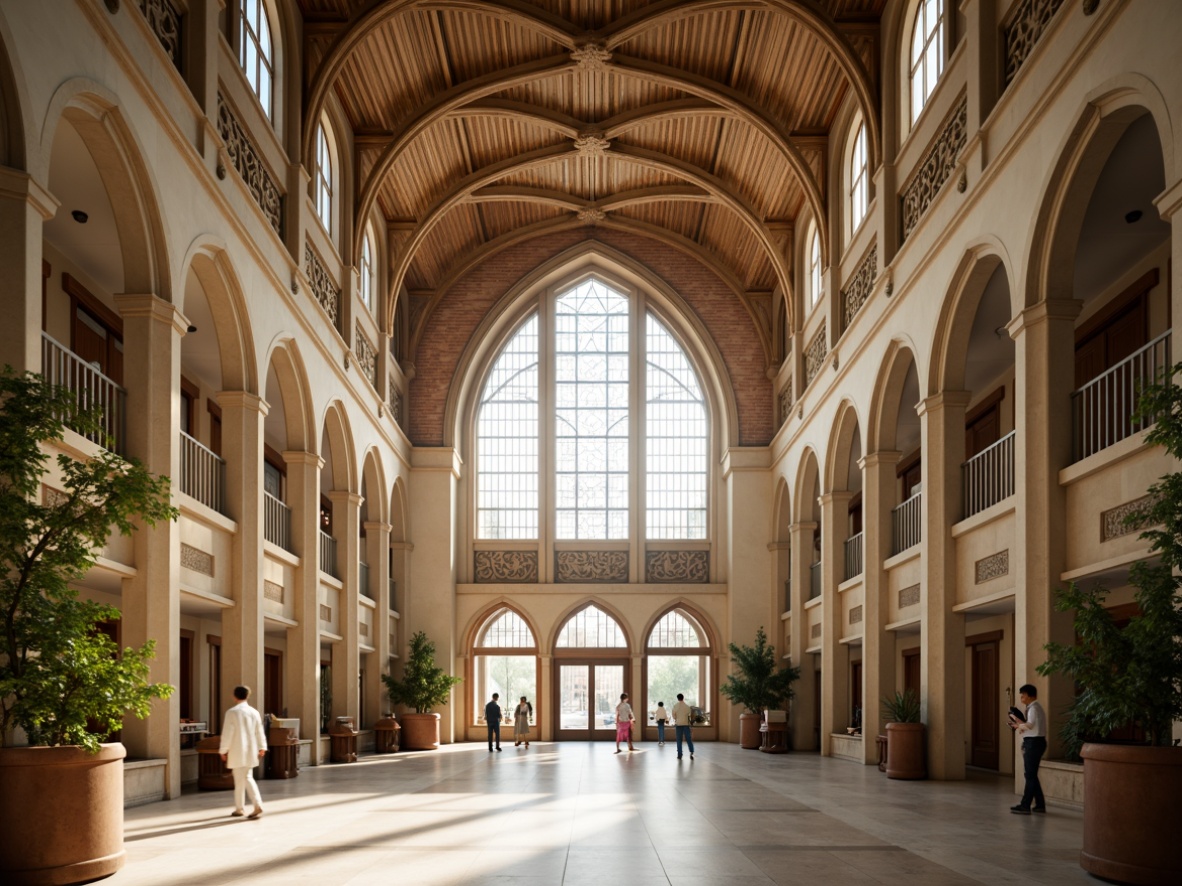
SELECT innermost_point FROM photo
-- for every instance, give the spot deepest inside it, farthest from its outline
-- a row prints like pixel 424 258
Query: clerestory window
pixel 927 53
pixel 256 53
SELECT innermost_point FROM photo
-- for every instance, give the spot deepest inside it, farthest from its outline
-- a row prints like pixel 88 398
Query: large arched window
pixel 591 669
pixel 859 185
pixel 505 661
pixel 678 659
pixel 814 281
pixel 256 52
pixel 563 393
pixel 324 175
pixel 366 271
pixel 927 53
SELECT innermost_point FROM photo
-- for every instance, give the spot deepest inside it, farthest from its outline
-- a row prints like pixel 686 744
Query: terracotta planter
pixel 905 751
pixel 61 814
pixel 749 731
pixel 1132 817
pixel 420 732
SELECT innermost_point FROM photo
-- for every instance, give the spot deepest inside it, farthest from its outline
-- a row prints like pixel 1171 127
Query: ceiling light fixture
pixel 1133 217
pixel 191 329
pixel 79 216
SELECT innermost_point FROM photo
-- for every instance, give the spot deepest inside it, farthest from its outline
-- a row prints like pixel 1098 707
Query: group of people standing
pixel 682 722
pixel 521 717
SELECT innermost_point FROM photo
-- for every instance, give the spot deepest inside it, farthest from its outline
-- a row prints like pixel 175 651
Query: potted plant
pixel 423 686
pixel 758 685
pixel 1133 675
pixel 64 684
pixel 905 735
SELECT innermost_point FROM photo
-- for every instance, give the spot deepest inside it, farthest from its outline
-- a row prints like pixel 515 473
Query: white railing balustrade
pixel 815 581
pixel 1102 410
pixel 905 524
pixel 203 474
pixel 276 521
pixel 853 556
pixel 988 476
pixel 328 554
pixel 62 367
pixel 363 579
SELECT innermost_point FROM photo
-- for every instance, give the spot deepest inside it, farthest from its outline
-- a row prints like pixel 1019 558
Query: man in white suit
pixel 243 745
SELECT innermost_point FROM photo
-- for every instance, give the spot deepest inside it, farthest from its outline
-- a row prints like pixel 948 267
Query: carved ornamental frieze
pixel 591 566
pixel 394 398
pixel 856 615
pixel 1132 516
pixel 908 596
pixel 815 632
pixel 246 160
pixel 327 293
pixel 814 355
pixel 993 566
pixel 1027 24
pixel 516 567
pixel 197 560
pixel 786 401
pixel 936 168
pixel 367 360
pixel 165 21
pixel 663 567
pixel 325 613
pixel 855 295
pixel 272 591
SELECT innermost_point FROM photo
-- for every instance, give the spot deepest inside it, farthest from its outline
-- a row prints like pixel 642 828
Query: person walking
pixel 492 719
pixel 661 716
pixel 681 723
pixel 243 745
pixel 521 717
pixel 1034 744
pixel 624 719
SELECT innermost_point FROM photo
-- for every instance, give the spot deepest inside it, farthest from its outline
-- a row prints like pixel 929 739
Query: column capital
pixel 882 458
pixel 745 458
pixel 804 526
pixel 242 400
pixel 151 307
pixel 345 497
pixel 294 457
pixel 401 546
pixel 18 185
pixel 1048 309
pixel 835 498
pixel 437 458
pixel 1169 201
pixel 376 526
pixel 944 400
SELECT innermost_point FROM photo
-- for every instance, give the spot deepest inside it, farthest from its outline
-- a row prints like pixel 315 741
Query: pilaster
pixel 346 659
pixel 24 206
pixel 834 655
pixel 804 737
pixel 377 554
pixel 303 641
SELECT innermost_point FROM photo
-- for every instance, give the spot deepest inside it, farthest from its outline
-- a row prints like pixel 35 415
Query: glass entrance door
pixel 587 695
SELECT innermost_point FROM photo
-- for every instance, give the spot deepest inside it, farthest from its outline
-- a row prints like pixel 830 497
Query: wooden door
pixel 585 697
pixel 984 748
pixel 911 675
pixel 272 682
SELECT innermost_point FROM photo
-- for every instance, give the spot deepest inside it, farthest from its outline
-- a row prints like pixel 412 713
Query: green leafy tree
pixel 1133 675
pixel 424 684
pixel 759 683
pixel 669 675
pixel 62 680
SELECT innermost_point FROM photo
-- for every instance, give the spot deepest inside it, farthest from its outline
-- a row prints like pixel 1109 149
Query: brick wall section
pixel 454 320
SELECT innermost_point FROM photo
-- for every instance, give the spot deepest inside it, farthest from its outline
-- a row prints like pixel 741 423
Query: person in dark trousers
pixel 1034 744
pixel 681 724
pixel 492 718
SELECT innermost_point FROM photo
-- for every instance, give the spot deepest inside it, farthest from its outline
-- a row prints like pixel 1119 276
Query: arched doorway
pixel 592 667
pixel 504 661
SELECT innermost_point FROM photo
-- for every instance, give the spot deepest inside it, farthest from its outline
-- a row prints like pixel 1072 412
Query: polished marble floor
pixel 578 814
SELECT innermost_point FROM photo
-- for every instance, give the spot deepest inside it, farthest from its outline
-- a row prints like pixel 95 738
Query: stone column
pixel 878 644
pixel 242 627
pixel 1045 377
pixel 303 641
pixel 748 563
pixel 803 705
pixel 430 600
pixel 942 657
pixel 377 554
pixel 1168 205
pixel 346 658
pixel 983 54
pixel 151 607
pixel 24 206
pixel 835 509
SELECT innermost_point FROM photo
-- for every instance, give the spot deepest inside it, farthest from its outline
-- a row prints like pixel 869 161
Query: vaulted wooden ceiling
pixel 700 122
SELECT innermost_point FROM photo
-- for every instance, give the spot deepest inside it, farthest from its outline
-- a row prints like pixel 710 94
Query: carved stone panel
pixel 856 615
pixel 272 591
pixel 855 295
pixel 908 596
pixel 677 566
pixel 247 162
pixel 366 358
pixel 814 355
pixel 993 566
pixel 327 293
pixel 325 613
pixel 815 632
pixel 936 168
pixel 591 566
pixel 165 21
pixel 506 566
pixel 363 629
pixel 786 401
pixel 1026 26
pixel 196 559
pixel 1132 516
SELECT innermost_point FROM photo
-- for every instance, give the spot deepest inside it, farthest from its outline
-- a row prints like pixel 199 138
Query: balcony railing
pixel 853 556
pixel 276 521
pixel 905 524
pixel 328 554
pixel 203 474
pixel 988 476
pixel 1102 410
pixel 63 368
pixel 363 579
pixel 787 595
pixel 815 581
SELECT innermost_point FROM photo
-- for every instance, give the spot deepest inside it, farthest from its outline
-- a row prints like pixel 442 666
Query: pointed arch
pixel 492 611
pixel 373 481
pixel 808 486
pixel 709 631
pixel 399 511
pixel 340 445
pixel 607 609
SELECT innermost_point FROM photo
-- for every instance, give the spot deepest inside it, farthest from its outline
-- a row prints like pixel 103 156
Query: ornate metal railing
pixel 815 580
pixel 1102 410
pixel 166 22
pixel 366 358
pixel 855 295
pixel 1026 25
pixel 906 524
pixel 853 556
pixel 62 367
pixel 276 521
pixel 203 474
pixel 328 554
pixel 988 476
pixel 935 169
pixel 814 355
pixel 327 293
pixel 249 165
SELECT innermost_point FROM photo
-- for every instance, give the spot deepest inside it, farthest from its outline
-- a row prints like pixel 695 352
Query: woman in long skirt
pixel 624 718
pixel 521 715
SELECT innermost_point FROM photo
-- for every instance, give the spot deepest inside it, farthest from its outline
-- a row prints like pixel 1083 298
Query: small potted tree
pixel 423 686
pixel 1132 817
pixel 758 685
pixel 905 734
pixel 64 684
